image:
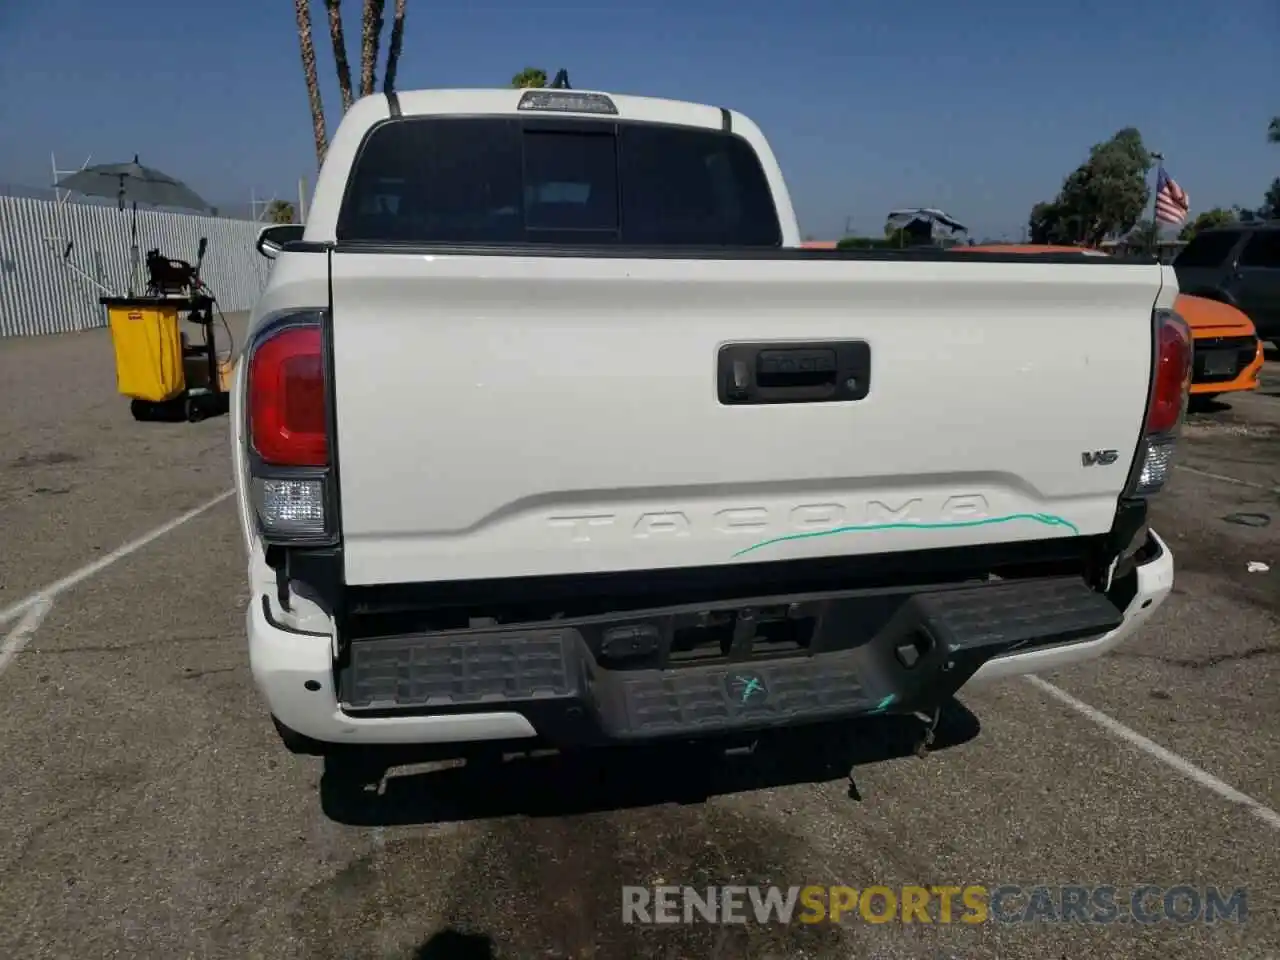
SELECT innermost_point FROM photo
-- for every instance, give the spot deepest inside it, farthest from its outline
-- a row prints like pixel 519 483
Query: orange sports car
pixel 1228 353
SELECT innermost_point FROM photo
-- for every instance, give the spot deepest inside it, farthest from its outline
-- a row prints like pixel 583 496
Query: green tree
pixel 530 77
pixel 1270 209
pixel 280 211
pixel 864 243
pixel 1216 217
pixel 1045 225
pixel 1103 197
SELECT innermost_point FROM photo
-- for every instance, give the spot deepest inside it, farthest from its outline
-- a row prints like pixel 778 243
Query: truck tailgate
pixel 510 416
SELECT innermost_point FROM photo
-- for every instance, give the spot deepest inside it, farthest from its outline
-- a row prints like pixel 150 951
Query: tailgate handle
pixel 792 369
pixel 830 371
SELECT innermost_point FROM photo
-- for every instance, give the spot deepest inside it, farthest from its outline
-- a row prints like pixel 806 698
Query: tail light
pixel 1167 403
pixel 287 412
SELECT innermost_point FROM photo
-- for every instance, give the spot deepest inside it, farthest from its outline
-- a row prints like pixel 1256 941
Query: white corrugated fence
pixel 41 293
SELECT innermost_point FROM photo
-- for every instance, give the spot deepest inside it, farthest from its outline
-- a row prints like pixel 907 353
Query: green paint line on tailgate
pixel 1048 519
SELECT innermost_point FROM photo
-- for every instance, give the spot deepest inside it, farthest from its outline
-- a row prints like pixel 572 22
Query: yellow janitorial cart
pixel 165 376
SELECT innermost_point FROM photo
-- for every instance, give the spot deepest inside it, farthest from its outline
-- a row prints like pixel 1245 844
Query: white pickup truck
pixel 547 431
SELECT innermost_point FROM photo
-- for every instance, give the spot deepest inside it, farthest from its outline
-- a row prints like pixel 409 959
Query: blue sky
pixel 978 107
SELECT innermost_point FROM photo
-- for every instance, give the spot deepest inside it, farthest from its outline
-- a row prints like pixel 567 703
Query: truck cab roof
pixel 541 100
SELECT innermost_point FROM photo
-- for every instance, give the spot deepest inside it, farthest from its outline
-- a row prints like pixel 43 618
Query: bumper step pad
pixel 769 693
pixel 926 650
pixel 450 670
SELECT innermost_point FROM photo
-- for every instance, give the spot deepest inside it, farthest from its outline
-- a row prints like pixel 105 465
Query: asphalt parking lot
pixel 148 809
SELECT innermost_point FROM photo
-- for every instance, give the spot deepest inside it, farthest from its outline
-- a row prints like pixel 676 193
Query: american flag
pixel 1172 205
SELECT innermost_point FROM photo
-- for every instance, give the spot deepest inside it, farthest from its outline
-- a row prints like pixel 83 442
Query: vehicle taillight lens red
pixel 1172 374
pixel 287 409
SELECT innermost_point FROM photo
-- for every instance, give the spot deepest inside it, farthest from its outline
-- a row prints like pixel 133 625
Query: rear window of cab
pixel 499 180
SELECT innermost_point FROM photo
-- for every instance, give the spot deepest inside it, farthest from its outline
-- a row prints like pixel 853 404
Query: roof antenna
pixel 561 81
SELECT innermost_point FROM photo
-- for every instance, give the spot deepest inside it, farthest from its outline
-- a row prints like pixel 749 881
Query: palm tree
pixel 530 77
pixel 340 62
pixel 393 51
pixel 370 32
pixel 280 211
pixel 1273 132
pixel 302 8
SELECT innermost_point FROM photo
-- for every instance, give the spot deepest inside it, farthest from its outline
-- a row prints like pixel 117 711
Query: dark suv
pixel 1239 265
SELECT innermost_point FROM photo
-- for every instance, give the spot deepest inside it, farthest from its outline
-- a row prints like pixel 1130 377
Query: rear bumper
pixel 1154 582
pixel 1226 364
pixel 508 684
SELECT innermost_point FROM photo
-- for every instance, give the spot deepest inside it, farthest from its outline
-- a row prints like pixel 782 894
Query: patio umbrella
pixel 135 184
pixel 918 223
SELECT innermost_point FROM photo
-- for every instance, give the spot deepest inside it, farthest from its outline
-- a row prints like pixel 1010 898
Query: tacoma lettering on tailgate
pixel 776 520
pixel 779 524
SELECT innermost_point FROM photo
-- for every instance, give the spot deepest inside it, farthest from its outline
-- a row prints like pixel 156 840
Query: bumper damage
pixel 686 672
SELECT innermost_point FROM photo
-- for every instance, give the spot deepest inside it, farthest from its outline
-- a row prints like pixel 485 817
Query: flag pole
pixel 1155 197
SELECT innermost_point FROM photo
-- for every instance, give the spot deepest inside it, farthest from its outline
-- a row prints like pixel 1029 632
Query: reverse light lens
pixel 290 508
pixel 1157 464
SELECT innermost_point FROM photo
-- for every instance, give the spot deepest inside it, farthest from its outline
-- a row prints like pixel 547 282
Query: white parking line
pixel 17 638
pixel 1224 479
pixel 50 593
pixel 1185 767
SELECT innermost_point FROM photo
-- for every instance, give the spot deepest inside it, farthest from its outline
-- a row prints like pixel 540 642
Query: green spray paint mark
pixel 1048 519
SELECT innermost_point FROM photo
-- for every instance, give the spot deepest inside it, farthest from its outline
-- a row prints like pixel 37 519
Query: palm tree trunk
pixel 340 62
pixel 393 51
pixel 303 10
pixel 370 33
